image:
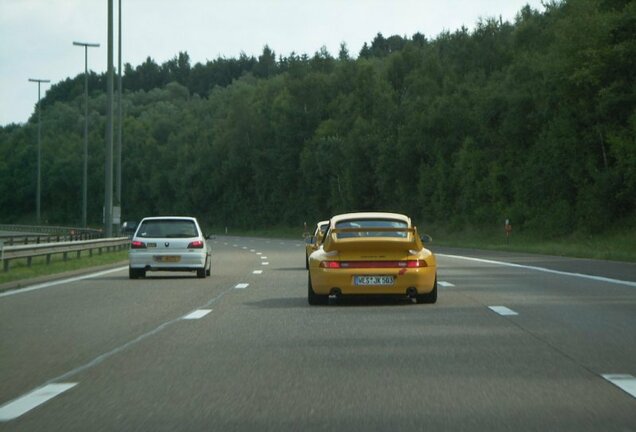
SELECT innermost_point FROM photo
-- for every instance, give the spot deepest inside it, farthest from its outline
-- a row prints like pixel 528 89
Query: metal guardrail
pixel 14 239
pixel 51 229
pixel 45 234
pixel 28 252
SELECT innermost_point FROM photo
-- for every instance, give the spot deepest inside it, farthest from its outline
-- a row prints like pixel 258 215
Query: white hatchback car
pixel 168 244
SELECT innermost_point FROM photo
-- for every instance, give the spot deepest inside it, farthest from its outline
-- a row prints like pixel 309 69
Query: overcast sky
pixel 36 36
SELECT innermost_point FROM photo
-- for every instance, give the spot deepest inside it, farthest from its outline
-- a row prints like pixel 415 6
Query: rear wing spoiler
pixel 363 239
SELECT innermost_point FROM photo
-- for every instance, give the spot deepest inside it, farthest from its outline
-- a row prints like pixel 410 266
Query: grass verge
pixel 615 246
pixel 20 271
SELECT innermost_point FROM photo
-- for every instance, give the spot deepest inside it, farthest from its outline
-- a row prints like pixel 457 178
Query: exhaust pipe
pixel 335 292
pixel 411 292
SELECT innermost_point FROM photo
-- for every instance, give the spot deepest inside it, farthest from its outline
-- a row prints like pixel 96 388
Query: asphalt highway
pixel 514 343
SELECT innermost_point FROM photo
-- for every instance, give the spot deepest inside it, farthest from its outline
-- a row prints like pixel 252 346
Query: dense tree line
pixel 533 120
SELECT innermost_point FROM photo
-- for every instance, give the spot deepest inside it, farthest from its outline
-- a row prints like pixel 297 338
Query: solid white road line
pixel 16 408
pixel 242 286
pixel 625 382
pixel 60 282
pixel 197 314
pixel 257 272
pixel 445 284
pixel 542 269
pixel 502 310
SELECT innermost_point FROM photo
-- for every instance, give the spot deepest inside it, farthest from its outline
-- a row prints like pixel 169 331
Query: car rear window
pixel 372 223
pixel 167 228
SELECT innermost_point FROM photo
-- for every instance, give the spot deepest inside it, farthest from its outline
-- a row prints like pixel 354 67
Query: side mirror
pixel 426 239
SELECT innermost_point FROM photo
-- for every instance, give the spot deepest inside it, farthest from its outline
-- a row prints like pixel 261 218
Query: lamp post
pixel 86 45
pixel 108 182
pixel 39 181
pixel 119 117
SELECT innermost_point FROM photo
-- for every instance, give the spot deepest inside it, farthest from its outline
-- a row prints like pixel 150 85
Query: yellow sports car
pixel 372 253
pixel 312 243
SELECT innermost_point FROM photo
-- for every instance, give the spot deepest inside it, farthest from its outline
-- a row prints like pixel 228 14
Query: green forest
pixel 532 120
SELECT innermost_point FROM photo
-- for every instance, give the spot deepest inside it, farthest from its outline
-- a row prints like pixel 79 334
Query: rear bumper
pixel 323 281
pixel 188 261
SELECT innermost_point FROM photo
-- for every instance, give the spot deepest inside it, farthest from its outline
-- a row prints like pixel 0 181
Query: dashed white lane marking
pixel 502 310
pixel 259 253
pixel 264 263
pixel 102 357
pixel 234 245
pixel 197 314
pixel 257 272
pixel 545 270
pixel 252 250
pixel 242 286
pixel 445 284
pixel 263 257
pixel 625 382
pixel 16 408
pixel 61 282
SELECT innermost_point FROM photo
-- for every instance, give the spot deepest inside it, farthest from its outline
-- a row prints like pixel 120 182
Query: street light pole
pixel 85 177
pixel 119 118
pixel 108 183
pixel 39 181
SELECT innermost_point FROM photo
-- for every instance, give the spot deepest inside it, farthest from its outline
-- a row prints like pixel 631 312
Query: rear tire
pixel 306 261
pixel 201 273
pixel 136 273
pixel 430 297
pixel 313 298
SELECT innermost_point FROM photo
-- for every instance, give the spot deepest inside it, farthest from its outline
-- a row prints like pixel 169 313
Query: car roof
pixel 370 215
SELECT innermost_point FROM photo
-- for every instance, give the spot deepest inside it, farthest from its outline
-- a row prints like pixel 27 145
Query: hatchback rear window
pixel 168 228
pixel 372 223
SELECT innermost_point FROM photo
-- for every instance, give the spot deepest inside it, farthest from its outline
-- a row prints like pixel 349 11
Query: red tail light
pixel 137 245
pixel 330 264
pixel 416 263
pixel 197 244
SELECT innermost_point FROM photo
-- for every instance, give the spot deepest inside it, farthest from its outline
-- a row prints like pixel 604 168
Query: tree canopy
pixel 534 121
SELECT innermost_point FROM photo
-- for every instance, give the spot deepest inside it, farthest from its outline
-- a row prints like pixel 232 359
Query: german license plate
pixel 167 258
pixel 373 280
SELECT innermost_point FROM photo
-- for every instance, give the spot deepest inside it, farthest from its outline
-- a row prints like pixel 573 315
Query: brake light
pixel 330 264
pixel 416 263
pixel 137 245
pixel 197 244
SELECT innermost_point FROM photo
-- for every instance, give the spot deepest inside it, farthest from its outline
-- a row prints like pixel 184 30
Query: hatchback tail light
pixel 197 244
pixel 137 245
